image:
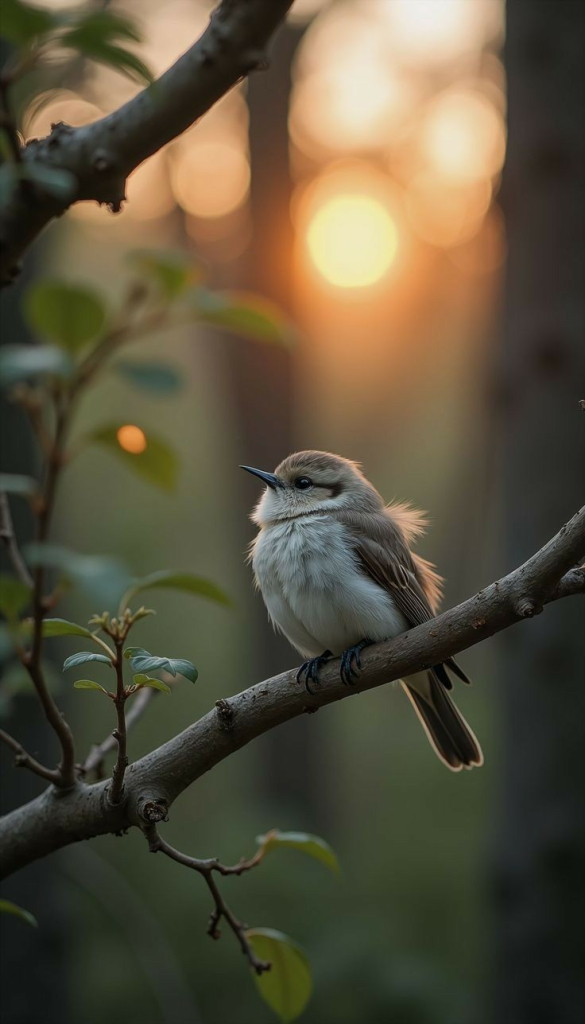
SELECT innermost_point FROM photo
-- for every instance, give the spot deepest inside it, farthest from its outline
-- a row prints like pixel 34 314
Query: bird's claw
pixel 310 670
pixel 351 662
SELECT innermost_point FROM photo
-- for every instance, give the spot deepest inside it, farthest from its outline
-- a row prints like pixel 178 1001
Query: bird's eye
pixel 303 483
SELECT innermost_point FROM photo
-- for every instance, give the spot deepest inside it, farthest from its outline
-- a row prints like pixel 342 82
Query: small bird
pixel 336 572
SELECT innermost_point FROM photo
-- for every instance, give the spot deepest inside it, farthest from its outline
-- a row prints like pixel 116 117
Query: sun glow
pixel 352 240
pixel 132 439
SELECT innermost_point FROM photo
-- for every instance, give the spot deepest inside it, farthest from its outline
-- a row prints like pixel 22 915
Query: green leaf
pixel 158 463
pixel 242 313
pixel 313 846
pixel 287 986
pixel 19 362
pixel 156 684
pixel 88 684
pixel 156 378
pixel 14 596
pixel 143 661
pixel 184 581
pixel 69 315
pixel 83 657
pixel 21 23
pixel 62 627
pixel 96 36
pixel 103 578
pixel 171 273
pixel 7 907
pixel 16 483
pixel 129 652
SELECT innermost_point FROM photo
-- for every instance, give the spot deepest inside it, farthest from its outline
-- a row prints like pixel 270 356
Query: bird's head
pixel 310 482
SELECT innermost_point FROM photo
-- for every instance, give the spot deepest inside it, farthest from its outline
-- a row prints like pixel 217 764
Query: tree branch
pixel 32 661
pixel 155 781
pixel 117 788
pixel 25 760
pixel 101 155
pixel 9 539
pixel 206 868
pixel 94 761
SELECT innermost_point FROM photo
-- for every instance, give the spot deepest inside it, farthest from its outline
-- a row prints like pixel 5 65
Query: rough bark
pixel 56 819
pixel 101 155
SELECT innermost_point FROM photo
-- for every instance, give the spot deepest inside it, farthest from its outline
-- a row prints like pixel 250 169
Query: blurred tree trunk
pixel 539 875
pixel 263 402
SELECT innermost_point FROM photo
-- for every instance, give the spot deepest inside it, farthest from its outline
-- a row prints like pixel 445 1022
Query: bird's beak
pixel 268 478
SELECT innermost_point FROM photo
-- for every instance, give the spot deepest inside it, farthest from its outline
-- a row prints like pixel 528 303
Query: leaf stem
pixel 105 647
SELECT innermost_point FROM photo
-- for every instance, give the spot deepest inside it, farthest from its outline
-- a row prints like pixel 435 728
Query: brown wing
pixel 385 557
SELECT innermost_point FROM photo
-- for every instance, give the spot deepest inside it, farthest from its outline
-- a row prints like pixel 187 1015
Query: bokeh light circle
pixel 210 179
pixel 463 135
pixel 352 240
pixel 132 439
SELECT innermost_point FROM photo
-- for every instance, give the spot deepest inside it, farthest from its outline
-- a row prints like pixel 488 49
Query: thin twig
pixel 119 734
pixel 32 661
pixel 9 539
pixel 94 761
pixel 25 760
pixel 157 844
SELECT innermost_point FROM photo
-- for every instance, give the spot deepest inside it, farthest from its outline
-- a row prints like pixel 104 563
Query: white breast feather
pixel 315 592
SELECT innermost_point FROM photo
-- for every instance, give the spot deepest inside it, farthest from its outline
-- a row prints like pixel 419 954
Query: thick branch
pixel 156 780
pixel 102 155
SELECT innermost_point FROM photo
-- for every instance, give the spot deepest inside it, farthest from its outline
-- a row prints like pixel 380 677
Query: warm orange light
pixel 463 135
pixel 485 253
pixel 445 213
pixel 344 108
pixel 352 240
pixel 210 179
pixel 427 32
pixel 132 439
pixel 148 191
pixel 51 107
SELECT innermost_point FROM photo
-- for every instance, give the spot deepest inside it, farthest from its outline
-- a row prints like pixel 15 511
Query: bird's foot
pixel 351 662
pixel 310 670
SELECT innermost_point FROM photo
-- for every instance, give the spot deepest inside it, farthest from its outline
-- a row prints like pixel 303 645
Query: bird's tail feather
pixel 447 731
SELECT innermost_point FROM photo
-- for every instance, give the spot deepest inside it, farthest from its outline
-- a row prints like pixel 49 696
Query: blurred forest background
pixel 358 184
